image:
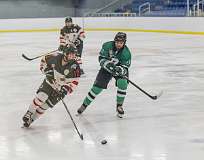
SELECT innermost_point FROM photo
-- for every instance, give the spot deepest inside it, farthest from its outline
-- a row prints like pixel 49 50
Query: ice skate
pixel 27 119
pixel 81 109
pixel 120 111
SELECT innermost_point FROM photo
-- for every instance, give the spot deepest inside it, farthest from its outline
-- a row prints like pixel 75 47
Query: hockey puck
pixel 103 141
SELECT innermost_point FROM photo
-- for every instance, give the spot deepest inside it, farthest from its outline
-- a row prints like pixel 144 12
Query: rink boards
pixel 175 25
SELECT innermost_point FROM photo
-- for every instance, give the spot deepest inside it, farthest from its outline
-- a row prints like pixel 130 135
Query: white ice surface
pixel 170 128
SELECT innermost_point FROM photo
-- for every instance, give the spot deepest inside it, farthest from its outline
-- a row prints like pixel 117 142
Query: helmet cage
pixel 68 19
pixel 120 36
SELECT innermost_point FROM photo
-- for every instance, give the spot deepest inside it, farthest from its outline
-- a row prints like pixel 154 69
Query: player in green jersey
pixel 114 59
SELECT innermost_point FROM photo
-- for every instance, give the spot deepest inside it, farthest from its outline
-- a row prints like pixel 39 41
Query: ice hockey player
pixel 72 34
pixel 61 77
pixel 114 59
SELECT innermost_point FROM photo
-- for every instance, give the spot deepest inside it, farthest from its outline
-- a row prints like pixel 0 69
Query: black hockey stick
pixel 30 59
pixel 80 135
pixel 154 97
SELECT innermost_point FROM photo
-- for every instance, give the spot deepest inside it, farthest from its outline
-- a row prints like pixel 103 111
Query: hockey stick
pixel 154 97
pixel 30 59
pixel 80 135
pixel 94 133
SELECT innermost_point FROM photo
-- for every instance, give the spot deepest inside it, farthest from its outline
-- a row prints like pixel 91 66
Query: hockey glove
pixel 120 71
pixel 76 70
pixel 62 93
pixel 109 66
pixel 68 89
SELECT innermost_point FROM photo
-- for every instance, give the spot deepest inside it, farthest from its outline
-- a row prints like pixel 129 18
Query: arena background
pixel 167 49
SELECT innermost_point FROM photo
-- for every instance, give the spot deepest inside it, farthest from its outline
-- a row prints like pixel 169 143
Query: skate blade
pixel 23 127
pixel 77 114
pixel 119 115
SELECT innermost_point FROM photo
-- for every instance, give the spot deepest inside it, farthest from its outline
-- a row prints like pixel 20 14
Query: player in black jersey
pixel 61 77
pixel 72 34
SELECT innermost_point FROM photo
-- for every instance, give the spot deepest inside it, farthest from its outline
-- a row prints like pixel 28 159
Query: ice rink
pixel 170 128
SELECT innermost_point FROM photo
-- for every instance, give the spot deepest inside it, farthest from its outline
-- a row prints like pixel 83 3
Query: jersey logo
pixel 75 30
pixel 66 72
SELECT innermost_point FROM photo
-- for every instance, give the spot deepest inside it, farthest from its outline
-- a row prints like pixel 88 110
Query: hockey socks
pixel 89 98
pixel 121 90
pixel 92 95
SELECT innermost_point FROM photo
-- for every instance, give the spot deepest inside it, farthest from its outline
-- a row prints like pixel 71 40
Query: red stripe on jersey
pixel 75 82
pixel 62 41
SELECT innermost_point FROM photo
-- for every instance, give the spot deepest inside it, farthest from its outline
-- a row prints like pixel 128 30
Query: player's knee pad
pixel 122 84
pixel 42 109
pixel 42 96
pixel 40 99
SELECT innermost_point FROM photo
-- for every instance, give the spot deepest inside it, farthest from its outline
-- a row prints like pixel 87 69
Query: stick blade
pixel 82 137
pixel 25 57
pixel 159 95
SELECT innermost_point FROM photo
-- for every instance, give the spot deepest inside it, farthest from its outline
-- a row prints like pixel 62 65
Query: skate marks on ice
pixel 197 140
pixel 95 135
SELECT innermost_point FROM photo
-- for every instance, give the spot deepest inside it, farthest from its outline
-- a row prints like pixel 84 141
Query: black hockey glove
pixel 109 66
pixel 62 93
pixel 77 72
pixel 49 72
pixel 120 71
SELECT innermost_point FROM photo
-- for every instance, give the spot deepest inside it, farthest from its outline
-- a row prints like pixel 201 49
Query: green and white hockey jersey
pixel 120 57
